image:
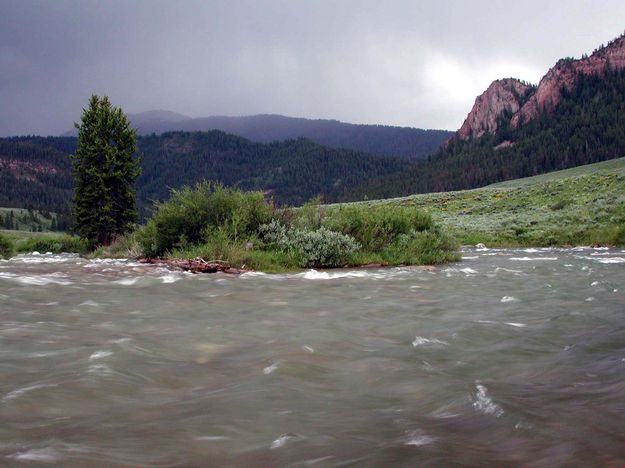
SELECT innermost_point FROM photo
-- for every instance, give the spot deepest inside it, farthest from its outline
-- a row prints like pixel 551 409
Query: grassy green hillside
pixel 18 219
pixel 580 206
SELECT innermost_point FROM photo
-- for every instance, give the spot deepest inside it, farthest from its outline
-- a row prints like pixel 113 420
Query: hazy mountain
pixel 411 143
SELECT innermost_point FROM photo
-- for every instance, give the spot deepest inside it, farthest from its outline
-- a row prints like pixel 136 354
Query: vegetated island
pixel 214 228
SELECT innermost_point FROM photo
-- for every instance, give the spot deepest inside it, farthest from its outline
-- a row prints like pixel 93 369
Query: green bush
pixel 310 216
pixel 318 248
pixel 375 227
pixel 422 248
pixel 53 243
pixel 183 219
pixel 6 247
pixel 126 246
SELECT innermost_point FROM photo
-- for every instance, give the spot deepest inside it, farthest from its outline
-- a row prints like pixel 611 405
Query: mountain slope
pixel 411 143
pixel 580 206
pixel 582 121
pixel 35 172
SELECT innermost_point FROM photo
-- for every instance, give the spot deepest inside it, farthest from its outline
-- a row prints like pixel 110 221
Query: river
pixel 510 357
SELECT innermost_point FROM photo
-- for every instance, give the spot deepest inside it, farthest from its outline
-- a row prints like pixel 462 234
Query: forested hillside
pixel 35 172
pixel 587 126
pixel 385 140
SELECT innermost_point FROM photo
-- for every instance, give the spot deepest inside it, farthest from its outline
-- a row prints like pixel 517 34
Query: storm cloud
pixel 409 63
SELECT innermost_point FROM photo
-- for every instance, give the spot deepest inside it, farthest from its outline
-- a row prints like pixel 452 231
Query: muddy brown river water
pixel 510 357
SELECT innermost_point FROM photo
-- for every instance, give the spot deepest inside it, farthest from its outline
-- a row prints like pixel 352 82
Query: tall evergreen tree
pixel 105 169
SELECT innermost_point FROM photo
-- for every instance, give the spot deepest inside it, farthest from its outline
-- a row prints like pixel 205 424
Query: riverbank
pixel 580 206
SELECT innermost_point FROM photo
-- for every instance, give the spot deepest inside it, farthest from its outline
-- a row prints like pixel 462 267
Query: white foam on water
pixel 314 461
pixel 253 274
pixel 310 349
pixel 269 369
pixel 100 355
pixel 611 260
pixel 48 257
pixel 589 299
pixel 484 404
pixel 467 271
pixel 509 299
pixel 511 324
pixel 89 303
pixel 21 391
pixel 418 438
pixel 127 281
pixel 44 455
pixel 325 275
pixel 171 278
pixel 532 259
pixel 41 280
pixel 507 270
pixel 212 438
pixel 99 369
pixel 420 341
pixel 595 283
pixel 282 440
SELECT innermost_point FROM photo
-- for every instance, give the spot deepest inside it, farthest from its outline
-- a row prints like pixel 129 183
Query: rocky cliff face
pixel 512 95
pixel 501 96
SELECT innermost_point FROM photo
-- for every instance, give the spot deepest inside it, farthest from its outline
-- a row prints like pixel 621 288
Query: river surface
pixel 510 357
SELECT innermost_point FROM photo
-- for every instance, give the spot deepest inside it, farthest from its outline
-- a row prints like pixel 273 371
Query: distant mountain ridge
pixel 384 140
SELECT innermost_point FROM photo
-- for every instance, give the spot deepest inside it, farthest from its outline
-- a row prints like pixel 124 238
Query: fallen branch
pixel 197 265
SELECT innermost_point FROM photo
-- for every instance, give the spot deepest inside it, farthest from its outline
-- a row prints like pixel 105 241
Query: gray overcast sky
pixel 410 63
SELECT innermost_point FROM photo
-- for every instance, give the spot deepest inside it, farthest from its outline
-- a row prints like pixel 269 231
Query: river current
pixel 510 357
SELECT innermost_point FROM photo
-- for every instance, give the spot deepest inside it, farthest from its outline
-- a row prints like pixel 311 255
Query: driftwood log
pixel 196 265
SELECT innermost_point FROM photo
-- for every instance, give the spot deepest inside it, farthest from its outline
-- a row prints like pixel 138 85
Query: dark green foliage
pixel 290 172
pixel 587 126
pixel 192 214
pixel 375 227
pixel 6 246
pixel 39 175
pixel 105 170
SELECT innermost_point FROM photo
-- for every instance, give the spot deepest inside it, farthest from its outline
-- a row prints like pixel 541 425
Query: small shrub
pixel 6 247
pixel 318 248
pixel 375 227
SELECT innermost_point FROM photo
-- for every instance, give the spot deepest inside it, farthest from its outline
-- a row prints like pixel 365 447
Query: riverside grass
pixel 584 205
pixel 12 242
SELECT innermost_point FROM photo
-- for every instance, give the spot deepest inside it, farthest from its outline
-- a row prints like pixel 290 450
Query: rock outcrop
pixel 564 76
pixel 523 103
pixel 501 96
